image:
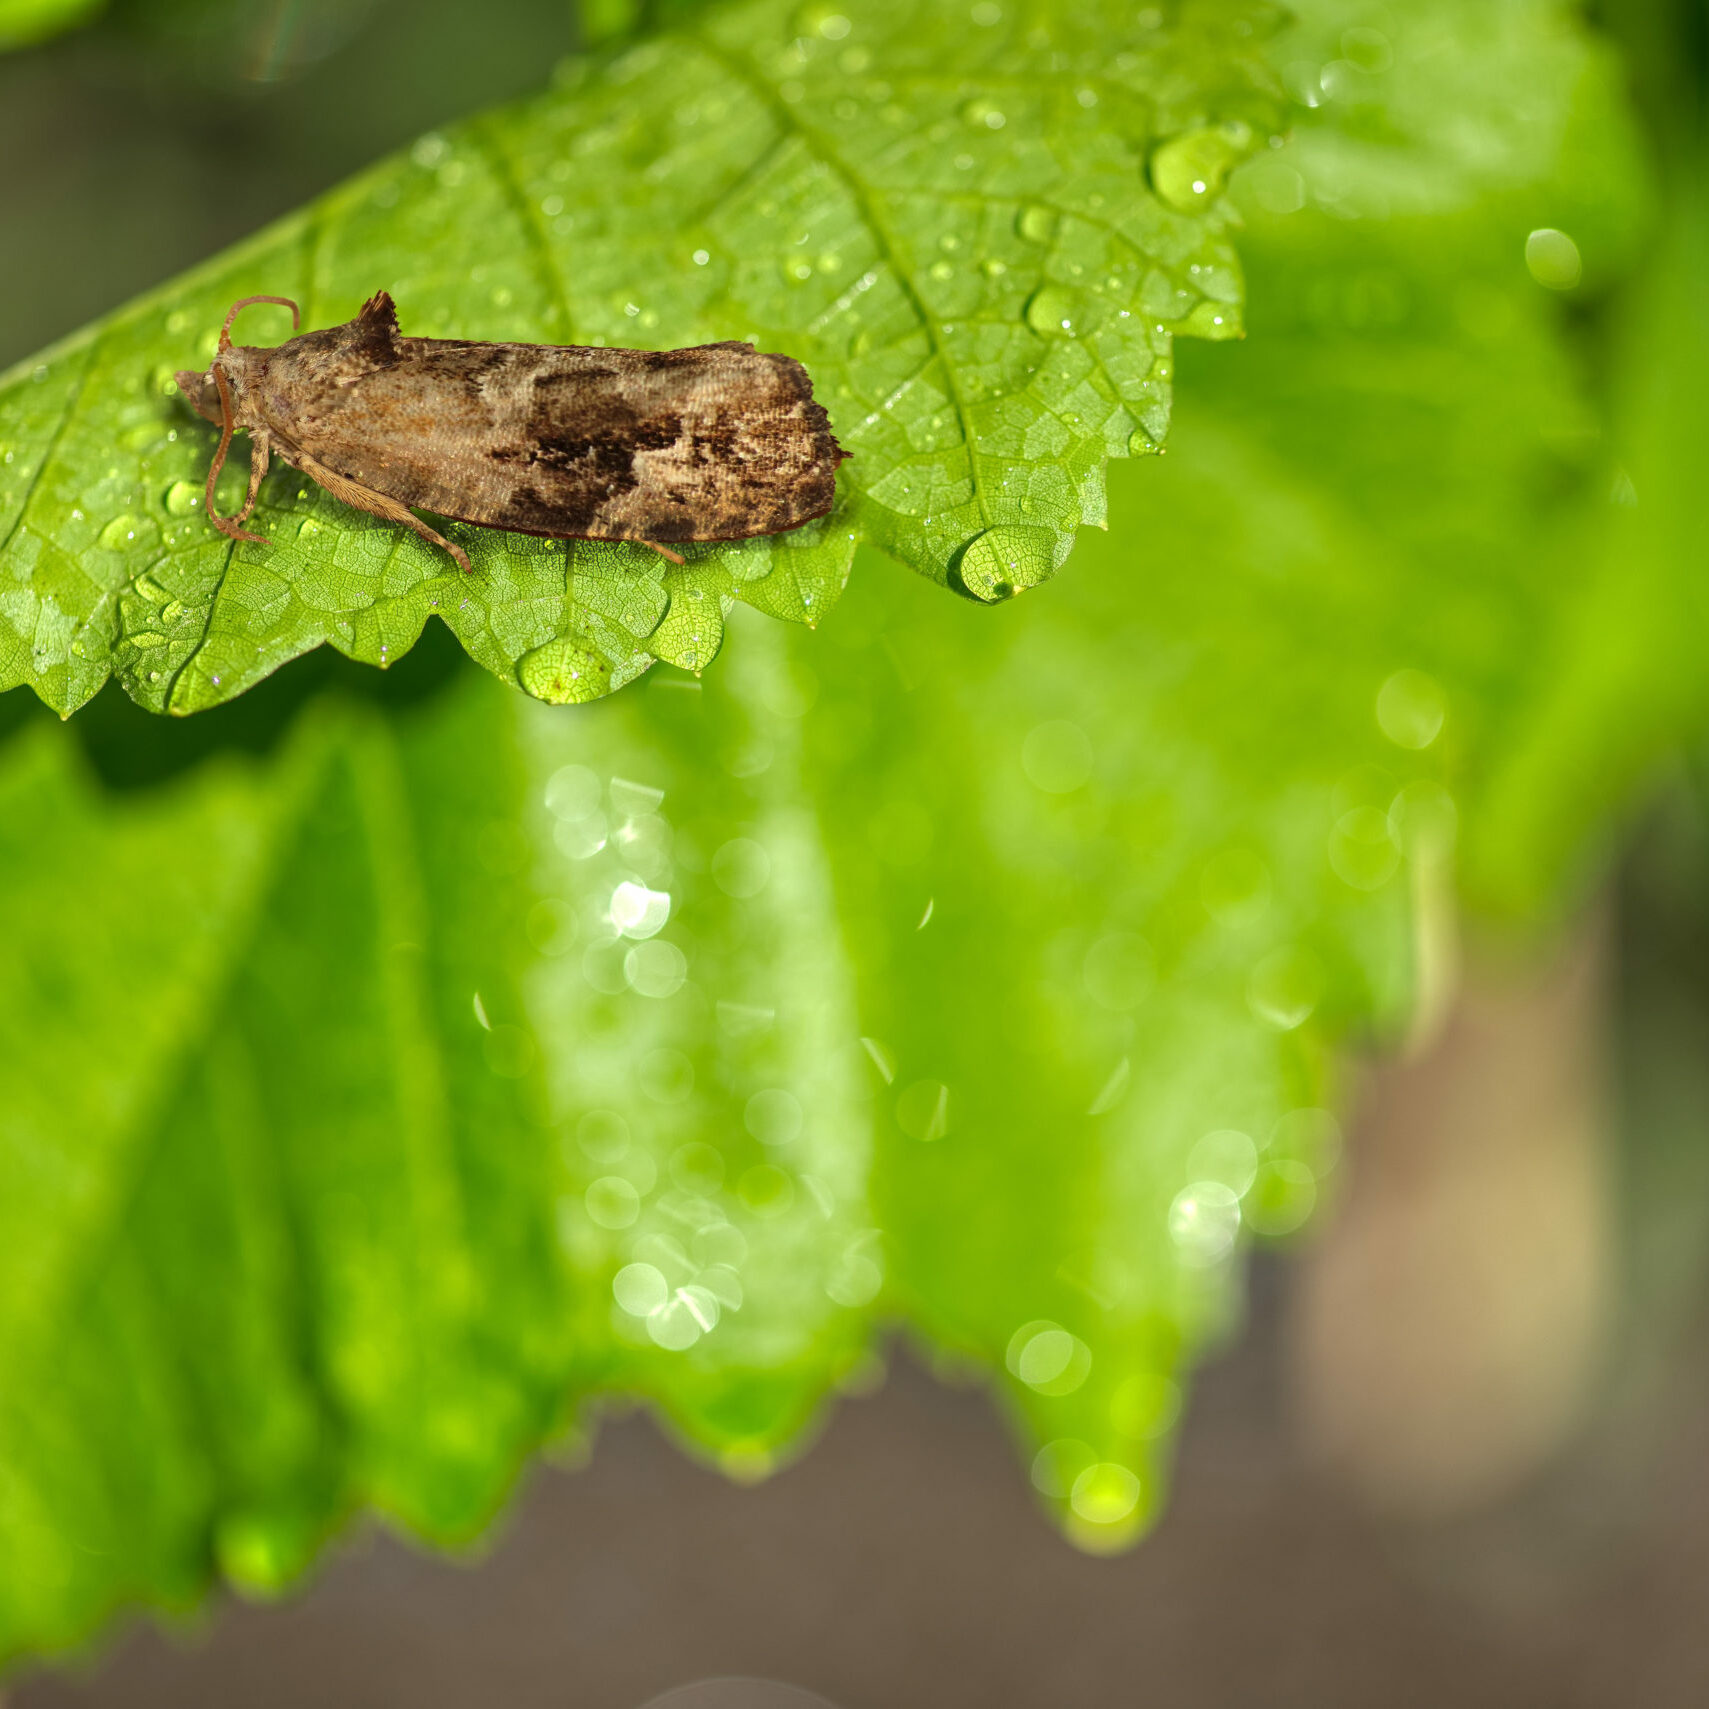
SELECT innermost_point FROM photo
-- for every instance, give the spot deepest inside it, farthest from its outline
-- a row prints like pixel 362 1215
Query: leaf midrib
pixel 741 67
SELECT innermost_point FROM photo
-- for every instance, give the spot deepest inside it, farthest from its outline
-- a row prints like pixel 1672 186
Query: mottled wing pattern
pixel 717 442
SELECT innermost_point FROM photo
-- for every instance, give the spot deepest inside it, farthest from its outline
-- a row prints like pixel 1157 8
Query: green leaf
pixel 24 22
pixel 408 1291
pixel 972 263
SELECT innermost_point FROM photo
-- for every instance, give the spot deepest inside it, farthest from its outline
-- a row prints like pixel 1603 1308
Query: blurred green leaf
pixel 23 22
pixel 971 261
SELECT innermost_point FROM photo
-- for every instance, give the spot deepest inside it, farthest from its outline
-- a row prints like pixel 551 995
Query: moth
pixel 717 442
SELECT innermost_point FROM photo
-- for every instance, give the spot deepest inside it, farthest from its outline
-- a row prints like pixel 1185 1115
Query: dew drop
pixel 1188 170
pixel 1005 560
pixel 984 114
pixel 120 532
pixel 824 21
pixel 1362 849
pixel 1553 259
pixel 1050 310
pixel 565 673
pixel 1411 709
pixel 1037 223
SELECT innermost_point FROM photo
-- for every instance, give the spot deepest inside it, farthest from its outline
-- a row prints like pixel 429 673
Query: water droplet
pixel 146 638
pixel 856 1276
pixel 1057 1464
pixel 766 1190
pixel 1226 1155
pixel 640 1289
pixel 940 270
pixel 773 1116
pixel 741 868
pixel 611 1202
pixel 564 672
pixel 602 1135
pixel 722 1282
pixel 697 1167
pixel 922 1111
pixel 824 21
pixel 1037 223
pixel 1411 709
pixel 1203 1221
pixel 655 968
pixel 690 1313
pixel 1284 988
pixel 1045 1357
pixel 182 498
pixel 120 532
pixel 572 792
pixel 638 912
pixel 1188 170
pixel 1005 560
pixel 1051 310
pixel 984 113
pixel 1105 1493
pixel 1362 849
pixel 1553 259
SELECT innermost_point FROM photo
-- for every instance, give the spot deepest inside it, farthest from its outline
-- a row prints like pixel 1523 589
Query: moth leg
pixel 228 426
pixel 260 454
pixel 664 551
pixel 353 493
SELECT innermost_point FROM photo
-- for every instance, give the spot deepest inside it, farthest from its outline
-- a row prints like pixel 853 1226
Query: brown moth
pixel 719 442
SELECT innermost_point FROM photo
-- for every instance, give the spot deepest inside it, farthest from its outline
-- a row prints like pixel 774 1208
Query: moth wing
pixel 717 442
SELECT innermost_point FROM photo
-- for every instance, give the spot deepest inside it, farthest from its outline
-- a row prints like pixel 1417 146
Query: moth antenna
pixel 228 426
pixel 244 302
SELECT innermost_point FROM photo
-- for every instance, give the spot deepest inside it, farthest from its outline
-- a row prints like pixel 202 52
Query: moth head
pixel 200 393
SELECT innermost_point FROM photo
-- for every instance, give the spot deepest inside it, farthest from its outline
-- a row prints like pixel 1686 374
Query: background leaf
pixel 974 265
pixel 26 21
